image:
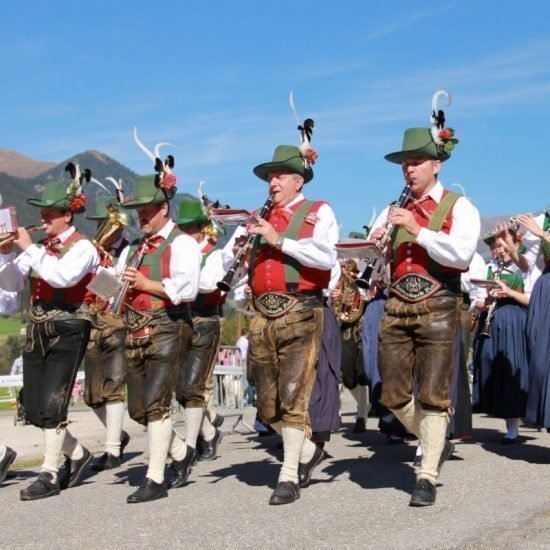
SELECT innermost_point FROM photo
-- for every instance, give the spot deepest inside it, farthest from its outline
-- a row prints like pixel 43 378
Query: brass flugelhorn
pixel 7 239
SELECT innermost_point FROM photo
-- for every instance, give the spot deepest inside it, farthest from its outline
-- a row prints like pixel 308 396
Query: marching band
pixel 388 314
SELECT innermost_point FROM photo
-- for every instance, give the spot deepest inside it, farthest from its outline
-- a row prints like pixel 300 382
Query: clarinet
pixel 225 284
pixel 486 330
pixel 364 281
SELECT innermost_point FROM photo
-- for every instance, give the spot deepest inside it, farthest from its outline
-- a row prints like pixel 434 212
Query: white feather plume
pixel 99 184
pixel 149 153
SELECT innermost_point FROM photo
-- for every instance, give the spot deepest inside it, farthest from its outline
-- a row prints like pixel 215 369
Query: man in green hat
pixel 105 361
pixel 289 267
pixel 162 270
pixel 58 269
pixel 197 368
pixel 434 237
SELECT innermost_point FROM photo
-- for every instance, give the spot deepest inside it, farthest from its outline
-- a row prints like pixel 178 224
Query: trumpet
pixel 7 239
pixel 365 281
pixel 225 284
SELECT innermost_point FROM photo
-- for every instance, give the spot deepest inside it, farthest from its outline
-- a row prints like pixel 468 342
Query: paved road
pixel 490 496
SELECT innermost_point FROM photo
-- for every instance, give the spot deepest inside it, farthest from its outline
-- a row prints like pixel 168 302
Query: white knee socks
pixel 53 442
pixel 114 419
pixel 293 440
pixel 160 435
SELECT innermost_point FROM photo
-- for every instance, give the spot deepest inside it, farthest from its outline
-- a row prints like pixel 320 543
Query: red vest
pixel 211 299
pixel 41 291
pixel 410 257
pixel 155 266
pixel 273 271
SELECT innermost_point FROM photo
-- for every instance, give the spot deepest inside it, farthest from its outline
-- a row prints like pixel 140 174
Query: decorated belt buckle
pixel 136 320
pixel 415 287
pixel 39 314
pixel 274 304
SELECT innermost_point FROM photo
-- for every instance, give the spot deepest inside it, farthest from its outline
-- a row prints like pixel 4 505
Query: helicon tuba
pixel 349 306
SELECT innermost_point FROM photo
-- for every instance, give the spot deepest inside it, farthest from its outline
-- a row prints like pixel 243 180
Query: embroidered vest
pixel 155 266
pixel 273 271
pixel 410 257
pixel 41 291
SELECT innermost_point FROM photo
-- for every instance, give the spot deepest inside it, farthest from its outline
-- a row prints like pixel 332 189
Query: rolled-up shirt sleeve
pixel 456 248
pixel 318 251
pixel 185 264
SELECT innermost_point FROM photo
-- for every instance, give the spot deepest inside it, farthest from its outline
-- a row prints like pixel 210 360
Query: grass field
pixel 8 327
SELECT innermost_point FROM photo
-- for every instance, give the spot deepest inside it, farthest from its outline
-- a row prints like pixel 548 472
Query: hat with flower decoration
pixel 155 188
pixel 191 212
pixel 297 160
pixel 62 197
pixel 435 143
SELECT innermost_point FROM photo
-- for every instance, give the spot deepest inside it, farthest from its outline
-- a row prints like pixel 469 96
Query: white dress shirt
pixel 185 264
pixel 212 271
pixel 533 246
pixel 64 272
pixel 455 249
pixel 317 252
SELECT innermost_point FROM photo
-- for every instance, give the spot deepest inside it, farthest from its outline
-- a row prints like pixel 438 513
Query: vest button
pixel 409 268
pixel 409 259
pixel 409 252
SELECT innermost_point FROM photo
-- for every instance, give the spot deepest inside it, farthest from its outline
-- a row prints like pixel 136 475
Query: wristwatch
pixel 279 242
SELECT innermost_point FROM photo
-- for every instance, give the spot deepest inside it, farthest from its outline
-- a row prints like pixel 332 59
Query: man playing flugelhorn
pixel 58 269
pixel 434 240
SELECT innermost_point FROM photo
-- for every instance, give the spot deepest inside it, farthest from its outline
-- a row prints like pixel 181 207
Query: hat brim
pixel 398 156
pixel 158 198
pixel 263 170
pixel 61 205
pixel 189 221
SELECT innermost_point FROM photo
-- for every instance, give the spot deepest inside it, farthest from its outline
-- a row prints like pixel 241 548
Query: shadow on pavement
pixel 255 474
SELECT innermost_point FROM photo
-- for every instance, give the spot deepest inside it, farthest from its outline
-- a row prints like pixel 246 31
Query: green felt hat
pixel 55 196
pixel 190 211
pixel 146 191
pixel 101 207
pixel 419 143
pixel 356 235
pixel 285 157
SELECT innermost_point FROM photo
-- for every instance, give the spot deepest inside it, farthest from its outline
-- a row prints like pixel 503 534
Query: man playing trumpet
pixel 58 269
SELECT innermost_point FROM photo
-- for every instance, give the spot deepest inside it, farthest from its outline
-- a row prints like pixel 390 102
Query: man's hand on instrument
pixel 22 238
pixel 527 221
pixel 403 218
pixel 377 234
pixel 266 230
pixel 137 280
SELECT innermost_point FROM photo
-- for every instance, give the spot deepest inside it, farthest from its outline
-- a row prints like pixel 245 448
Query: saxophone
pixel 349 306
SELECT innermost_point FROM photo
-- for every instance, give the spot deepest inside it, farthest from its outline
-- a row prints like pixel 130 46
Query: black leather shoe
pixel 448 450
pixel 359 427
pixel 106 461
pixel 74 470
pixel 510 441
pixel 124 440
pixel 423 494
pixel 305 470
pixel 285 493
pixel 44 486
pixel 148 490
pixel 218 420
pixel 5 463
pixel 182 468
pixel 209 449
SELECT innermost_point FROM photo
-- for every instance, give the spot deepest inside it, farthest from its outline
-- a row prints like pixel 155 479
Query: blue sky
pixel 213 78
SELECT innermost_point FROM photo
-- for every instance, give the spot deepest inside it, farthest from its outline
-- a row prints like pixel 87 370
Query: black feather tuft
pixel 71 168
pixel 159 167
pixel 86 176
pixel 169 161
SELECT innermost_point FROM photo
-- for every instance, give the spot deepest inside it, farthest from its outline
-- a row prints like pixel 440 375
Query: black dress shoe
pixel 285 493
pixel 5 463
pixel 106 461
pixel 423 494
pixel 74 470
pixel 448 450
pixel 124 440
pixel 359 427
pixel 148 490
pixel 182 468
pixel 305 470
pixel 44 486
pixel 209 449
pixel 218 420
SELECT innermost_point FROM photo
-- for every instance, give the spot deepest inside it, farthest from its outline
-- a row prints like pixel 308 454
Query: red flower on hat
pixel 311 156
pixel 446 133
pixel 168 181
pixel 77 203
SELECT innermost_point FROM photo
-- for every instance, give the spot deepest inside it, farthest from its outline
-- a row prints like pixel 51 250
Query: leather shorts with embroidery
pixel 275 304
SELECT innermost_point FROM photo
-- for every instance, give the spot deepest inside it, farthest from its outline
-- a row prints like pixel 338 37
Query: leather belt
pixel 276 304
